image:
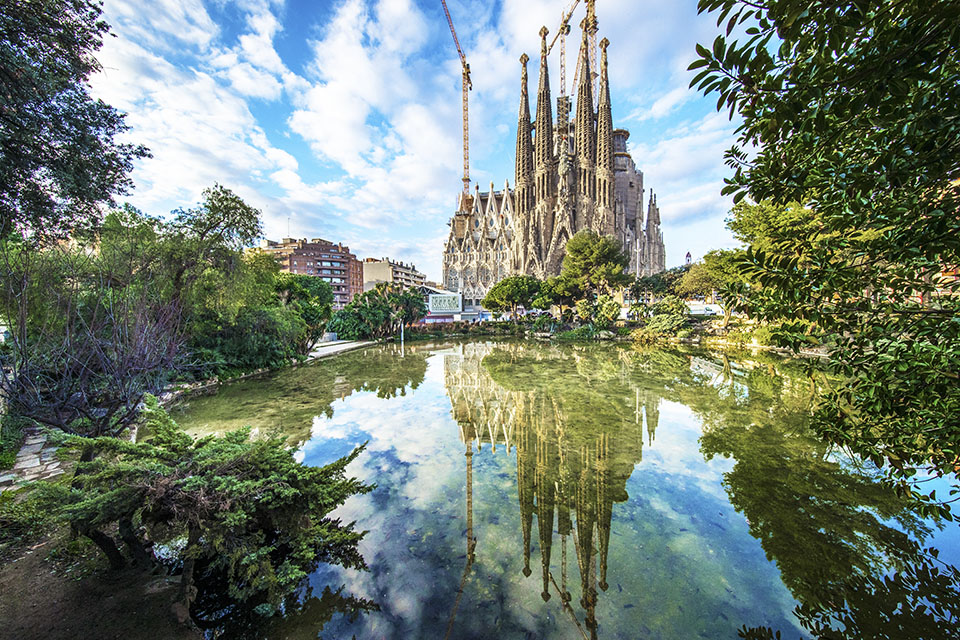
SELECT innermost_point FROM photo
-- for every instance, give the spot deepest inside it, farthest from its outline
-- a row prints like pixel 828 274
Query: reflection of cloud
pixel 675 534
pixel 676 451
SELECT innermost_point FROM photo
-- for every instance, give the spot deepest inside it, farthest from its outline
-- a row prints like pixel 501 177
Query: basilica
pixel 571 176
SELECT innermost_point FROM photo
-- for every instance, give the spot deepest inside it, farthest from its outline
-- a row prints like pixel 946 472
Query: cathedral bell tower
pixel 604 216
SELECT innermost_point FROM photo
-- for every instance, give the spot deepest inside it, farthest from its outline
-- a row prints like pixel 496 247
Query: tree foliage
pixel 718 273
pixel 557 291
pixel 595 263
pixel 511 293
pixel 848 106
pixel 89 335
pixel 101 320
pixel 312 300
pixel 698 280
pixel 59 157
pixel 378 313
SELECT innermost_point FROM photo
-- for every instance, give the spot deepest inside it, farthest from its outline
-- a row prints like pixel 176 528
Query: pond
pixel 529 490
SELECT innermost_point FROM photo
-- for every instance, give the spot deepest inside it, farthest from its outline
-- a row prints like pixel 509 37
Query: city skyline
pixel 338 119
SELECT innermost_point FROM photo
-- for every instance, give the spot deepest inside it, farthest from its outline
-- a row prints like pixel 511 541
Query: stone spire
pixel 653 212
pixel 546 183
pixel 605 167
pixel 524 162
pixel 524 200
pixel 585 136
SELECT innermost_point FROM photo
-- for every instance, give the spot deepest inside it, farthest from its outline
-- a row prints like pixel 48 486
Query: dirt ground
pixel 40 602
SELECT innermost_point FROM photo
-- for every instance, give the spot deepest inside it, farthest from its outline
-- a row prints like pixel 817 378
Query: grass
pixel 11 437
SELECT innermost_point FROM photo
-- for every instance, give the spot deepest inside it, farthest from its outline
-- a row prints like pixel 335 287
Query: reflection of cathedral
pixel 572 464
pixel 569 177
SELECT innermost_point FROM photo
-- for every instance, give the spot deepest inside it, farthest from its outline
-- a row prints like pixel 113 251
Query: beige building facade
pixel 386 270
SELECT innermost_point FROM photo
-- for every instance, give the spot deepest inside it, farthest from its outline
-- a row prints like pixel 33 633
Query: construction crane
pixel 590 25
pixel 562 35
pixel 466 203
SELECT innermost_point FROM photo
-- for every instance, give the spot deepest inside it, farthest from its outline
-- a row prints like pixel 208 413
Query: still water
pixel 543 491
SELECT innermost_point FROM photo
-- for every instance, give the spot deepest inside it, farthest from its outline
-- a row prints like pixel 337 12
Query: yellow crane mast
pixel 466 202
pixel 589 23
pixel 562 35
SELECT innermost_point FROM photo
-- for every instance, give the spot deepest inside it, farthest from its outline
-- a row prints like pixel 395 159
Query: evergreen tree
pixel 595 263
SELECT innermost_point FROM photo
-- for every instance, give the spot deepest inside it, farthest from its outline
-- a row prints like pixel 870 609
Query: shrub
pixel 11 437
pixel 670 305
pixel 21 517
pixel 545 323
pixel 586 332
pixel 241 508
pixel 607 310
pixel 658 327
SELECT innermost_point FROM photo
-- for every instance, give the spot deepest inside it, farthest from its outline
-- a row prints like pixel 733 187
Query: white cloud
pixel 250 81
pixel 364 133
pixel 186 21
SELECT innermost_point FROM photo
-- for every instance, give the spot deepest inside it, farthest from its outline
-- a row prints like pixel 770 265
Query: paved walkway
pixel 36 461
pixel 326 349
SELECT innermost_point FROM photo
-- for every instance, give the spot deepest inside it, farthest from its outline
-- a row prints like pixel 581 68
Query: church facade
pixel 571 176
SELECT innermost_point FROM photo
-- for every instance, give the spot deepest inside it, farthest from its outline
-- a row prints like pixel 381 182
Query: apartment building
pixel 330 261
pixel 386 270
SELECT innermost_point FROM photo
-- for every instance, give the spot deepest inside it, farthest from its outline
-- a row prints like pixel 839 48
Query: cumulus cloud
pixel 357 127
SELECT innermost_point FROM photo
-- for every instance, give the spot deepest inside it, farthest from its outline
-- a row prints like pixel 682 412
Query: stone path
pixel 36 461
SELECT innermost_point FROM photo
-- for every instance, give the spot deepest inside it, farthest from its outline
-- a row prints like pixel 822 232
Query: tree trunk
pixel 138 551
pixel 108 546
pixel 188 592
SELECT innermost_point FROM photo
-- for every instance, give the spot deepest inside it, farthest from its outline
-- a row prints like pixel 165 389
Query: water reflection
pixel 291 400
pixel 847 547
pixel 571 467
pixel 546 491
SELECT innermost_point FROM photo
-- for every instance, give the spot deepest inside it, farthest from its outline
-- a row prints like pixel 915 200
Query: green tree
pixel 312 299
pixel 698 280
pixel 557 290
pixel 844 104
pixel 595 263
pixel 60 161
pixel 511 293
pixel 763 225
pixel 378 313
pixel 734 286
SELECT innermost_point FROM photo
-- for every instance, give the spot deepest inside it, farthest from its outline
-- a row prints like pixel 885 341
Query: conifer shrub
pixel 235 507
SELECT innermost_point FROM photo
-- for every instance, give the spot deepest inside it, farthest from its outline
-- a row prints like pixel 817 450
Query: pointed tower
pixel 604 219
pixel 655 254
pixel 545 172
pixel 545 490
pixel 525 196
pixel 585 136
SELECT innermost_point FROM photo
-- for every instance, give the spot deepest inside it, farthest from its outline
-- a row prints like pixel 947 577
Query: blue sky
pixel 341 119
